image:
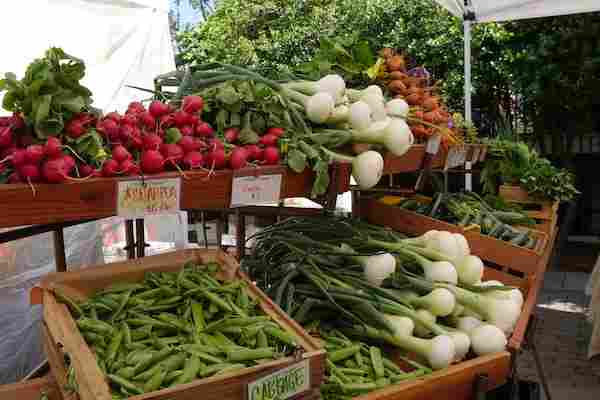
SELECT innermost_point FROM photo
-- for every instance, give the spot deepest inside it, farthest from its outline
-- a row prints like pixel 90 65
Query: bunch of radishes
pixel 141 141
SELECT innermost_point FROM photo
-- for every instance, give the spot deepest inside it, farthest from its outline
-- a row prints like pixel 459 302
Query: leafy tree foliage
pixel 551 66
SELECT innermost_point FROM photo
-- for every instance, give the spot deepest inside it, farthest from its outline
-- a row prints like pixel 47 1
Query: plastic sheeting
pixel 506 10
pixel 123 42
pixel 24 262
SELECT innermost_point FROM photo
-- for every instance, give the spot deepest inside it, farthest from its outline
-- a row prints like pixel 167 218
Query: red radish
pixel 216 159
pixel 109 127
pixel 194 120
pixel 17 156
pixel 238 158
pixel 192 104
pixel 275 131
pixel 25 140
pixel 147 120
pixel 186 130
pixel 7 154
pixel 85 170
pixel 166 121
pixel 158 109
pixel 136 142
pixel 231 135
pixel 5 121
pixel 6 136
pixel 268 140
pixel 193 159
pixel 69 163
pixel 120 153
pixel 204 129
pixel 135 107
pixel 181 118
pixel 125 132
pixel 53 147
pixel 128 167
pixel 129 119
pixel 216 144
pixel 110 168
pixel 54 170
pixel 15 178
pixel 188 144
pixel 259 154
pixel 271 155
pixel 17 122
pixel 253 151
pixel 115 116
pixel 75 128
pixel 30 172
pixel 172 152
pixel 34 153
pixel 152 162
pixel 152 142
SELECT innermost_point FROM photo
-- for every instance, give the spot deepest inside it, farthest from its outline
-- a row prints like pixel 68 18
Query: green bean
pixel 215 368
pixel 126 333
pixel 73 306
pixel 124 383
pixel 156 381
pixel 122 287
pixel 216 301
pixel 280 335
pixel 169 364
pixel 206 357
pixel 250 354
pixel 343 354
pixel 377 362
pixel 126 372
pixel 171 376
pixel 156 358
pixel 95 325
pixel 198 316
pixel 261 339
pixel 122 304
pixel 191 369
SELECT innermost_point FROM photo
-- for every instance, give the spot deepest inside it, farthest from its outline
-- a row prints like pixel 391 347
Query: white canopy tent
pixel 476 11
pixel 123 42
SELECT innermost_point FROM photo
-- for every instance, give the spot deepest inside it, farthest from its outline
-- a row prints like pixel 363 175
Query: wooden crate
pixel 411 161
pixel 96 198
pixel 62 336
pixel 545 213
pixel 31 390
pixel 488 248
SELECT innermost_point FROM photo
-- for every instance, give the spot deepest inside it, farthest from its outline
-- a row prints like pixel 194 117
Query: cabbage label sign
pixel 281 384
pixel 139 198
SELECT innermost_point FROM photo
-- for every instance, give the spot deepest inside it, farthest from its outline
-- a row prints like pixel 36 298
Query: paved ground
pixel 562 339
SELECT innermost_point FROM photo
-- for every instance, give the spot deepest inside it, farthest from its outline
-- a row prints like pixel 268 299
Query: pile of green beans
pixel 355 368
pixel 175 327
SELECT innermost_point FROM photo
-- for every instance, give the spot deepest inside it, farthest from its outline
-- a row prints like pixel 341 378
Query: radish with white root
pixel 469 269
pixel 318 107
pixel 393 133
pixel 367 167
pixel 438 351
pixel 359 116
pixel 514 294
pixel 487 339
pixel 440 302
pixel 332 84
pixel 397 108
pixel 403 326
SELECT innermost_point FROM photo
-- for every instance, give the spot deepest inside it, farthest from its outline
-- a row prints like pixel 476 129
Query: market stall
pixel 413 296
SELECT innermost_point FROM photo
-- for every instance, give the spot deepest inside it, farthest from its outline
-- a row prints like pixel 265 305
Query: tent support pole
pixel 468 111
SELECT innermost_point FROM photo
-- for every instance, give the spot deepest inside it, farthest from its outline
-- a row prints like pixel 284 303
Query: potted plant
pixel 518 173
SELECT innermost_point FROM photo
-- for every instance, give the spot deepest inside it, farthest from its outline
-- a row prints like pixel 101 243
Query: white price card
pixel 457 156
pixel 253 190
pixel 139 198
pixel 433 144
pixel 282 384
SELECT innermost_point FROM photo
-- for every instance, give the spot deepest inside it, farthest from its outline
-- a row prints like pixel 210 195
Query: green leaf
pixel 228 95
pixel 296 160
pixel 71 103
pixel 321 183
pixel 42 109
pixel 172 135
pixel 363 54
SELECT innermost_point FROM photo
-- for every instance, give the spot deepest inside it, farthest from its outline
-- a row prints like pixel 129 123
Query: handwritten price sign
pixel 252 190
pixel 282 384
pixel 137 198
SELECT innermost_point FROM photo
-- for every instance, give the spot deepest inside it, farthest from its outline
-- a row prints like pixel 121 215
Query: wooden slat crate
pixel 63 337
pixel 488 248
pixel 409 162
pixel 544 212
pixel 32 389
pixel 96 198
pixel 457 381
